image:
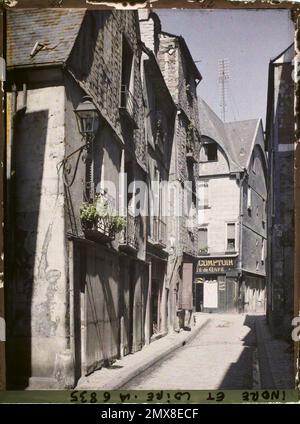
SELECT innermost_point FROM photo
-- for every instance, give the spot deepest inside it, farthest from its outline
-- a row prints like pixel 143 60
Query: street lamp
pixel 87 118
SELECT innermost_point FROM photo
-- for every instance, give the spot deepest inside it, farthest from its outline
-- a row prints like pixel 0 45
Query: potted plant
pixel 118 223
pixel 98 215
pixel 88 215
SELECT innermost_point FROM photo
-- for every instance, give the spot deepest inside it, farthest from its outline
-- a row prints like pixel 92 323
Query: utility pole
pixel 223 69
pixel 2 162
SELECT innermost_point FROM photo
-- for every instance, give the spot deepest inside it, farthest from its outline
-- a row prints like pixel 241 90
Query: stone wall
pixel 100 74
pixel 36 312
pixel 281 200
pixel 182 228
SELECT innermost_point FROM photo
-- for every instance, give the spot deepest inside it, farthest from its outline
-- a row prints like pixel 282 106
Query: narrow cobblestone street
pixel 220 356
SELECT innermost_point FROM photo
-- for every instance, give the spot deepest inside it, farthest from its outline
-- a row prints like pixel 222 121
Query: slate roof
pixel 241 136
pixel 57 31
pixel 236 138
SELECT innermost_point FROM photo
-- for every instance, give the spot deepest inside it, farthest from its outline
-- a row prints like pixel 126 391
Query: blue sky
pixel 247 38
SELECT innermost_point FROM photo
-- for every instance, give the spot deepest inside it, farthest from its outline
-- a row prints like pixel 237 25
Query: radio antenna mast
pixel 223 69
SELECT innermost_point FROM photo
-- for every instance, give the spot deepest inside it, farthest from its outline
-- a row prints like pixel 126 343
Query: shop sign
pixel 215 265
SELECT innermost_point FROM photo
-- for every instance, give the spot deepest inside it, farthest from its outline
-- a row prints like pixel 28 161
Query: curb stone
pixel 118 381
pixel 158 358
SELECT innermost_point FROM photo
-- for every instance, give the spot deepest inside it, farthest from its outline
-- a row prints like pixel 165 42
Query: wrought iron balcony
pixel 128 105
pixel 160 233
pixel 129 236
pixel 203 251
pixel 98 218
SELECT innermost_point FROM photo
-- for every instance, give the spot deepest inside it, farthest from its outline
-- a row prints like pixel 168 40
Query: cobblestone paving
pixel 219 357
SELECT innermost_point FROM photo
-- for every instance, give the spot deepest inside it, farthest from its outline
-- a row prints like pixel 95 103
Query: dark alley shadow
pixel 28 160
pixel 239 374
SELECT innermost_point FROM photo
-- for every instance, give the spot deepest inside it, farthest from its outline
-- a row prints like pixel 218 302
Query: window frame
pixel 205 147
pixel 249 198
pixel 203 228
pixel 203 185
pixel 263 252
pixel 227 249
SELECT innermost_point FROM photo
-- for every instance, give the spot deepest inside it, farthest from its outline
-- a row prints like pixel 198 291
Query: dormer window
pixel 212 152
pixel 209 152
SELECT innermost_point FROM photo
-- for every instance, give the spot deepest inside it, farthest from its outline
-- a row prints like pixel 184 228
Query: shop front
pixel 216 286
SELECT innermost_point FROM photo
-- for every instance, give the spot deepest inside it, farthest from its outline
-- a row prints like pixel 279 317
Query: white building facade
pixel 231 216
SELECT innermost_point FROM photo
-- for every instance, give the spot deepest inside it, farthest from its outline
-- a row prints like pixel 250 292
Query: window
pixel 127 101
pixel 127 65
pixel 203 241
pixel 203 194
pixel 264 214
pixel 253 165
pixel 160 129
pixel 209 152
pixel 231 237
pixel 212 152
pixel 263 248
pixel 249 199
pixel 156 192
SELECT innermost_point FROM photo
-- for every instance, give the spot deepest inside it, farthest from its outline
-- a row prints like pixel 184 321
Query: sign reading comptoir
pixel 215 265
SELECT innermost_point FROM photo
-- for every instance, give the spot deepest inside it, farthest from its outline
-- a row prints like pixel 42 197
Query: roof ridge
pixel 243 120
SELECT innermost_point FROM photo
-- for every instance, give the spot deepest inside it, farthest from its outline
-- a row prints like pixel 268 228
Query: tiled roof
pixel 56 30
pixel 241 136
pixel 236 138
pixel 213 127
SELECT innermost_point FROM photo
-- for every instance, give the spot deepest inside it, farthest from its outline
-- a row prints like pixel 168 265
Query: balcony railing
pixel 160 233
pixel 203 251
pixel 129 236
pixel 98 218
pixel 128 104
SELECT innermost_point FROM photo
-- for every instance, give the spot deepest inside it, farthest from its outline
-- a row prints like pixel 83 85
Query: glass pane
pixel 230 231
pixel 231 244
pixel 202 238
pixel 89 124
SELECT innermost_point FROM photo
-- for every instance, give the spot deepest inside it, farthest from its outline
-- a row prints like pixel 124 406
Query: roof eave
pixel 36 65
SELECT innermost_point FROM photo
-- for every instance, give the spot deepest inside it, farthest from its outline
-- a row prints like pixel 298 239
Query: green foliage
pixel 118 223
pixel 88 212
pixel 99 213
